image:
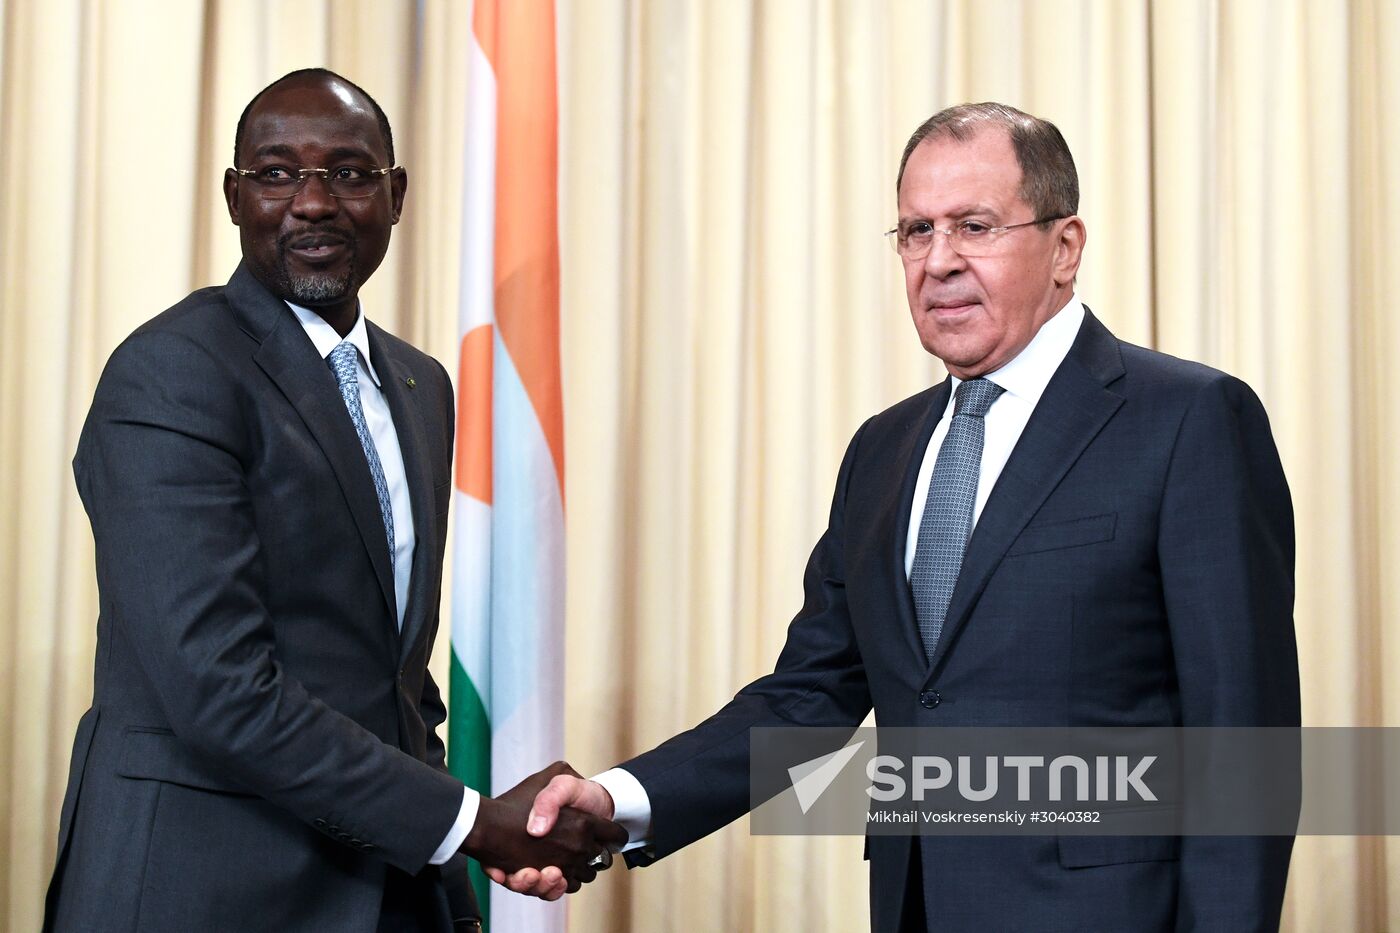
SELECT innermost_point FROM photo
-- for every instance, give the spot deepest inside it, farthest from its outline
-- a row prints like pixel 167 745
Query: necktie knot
pixel 343 363
pixel 975 396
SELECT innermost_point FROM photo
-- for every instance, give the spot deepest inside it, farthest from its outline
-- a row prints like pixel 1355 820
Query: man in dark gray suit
pixel 1069 531
pixel 268 475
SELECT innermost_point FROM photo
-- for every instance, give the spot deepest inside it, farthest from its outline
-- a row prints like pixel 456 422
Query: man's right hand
pixel 563 850
pixel 566 792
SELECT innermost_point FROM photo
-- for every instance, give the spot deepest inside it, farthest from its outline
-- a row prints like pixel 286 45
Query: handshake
pixel 550 834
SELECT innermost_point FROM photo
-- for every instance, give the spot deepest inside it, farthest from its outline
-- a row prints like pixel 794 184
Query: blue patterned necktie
pixel 947 521
pixel 344 363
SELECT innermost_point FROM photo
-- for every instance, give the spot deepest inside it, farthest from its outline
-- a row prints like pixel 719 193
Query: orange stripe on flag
pixel 485 16
pixel 527 237
pixel 474 415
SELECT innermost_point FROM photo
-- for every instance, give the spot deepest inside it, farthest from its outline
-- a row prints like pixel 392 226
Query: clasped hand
pixel 545 849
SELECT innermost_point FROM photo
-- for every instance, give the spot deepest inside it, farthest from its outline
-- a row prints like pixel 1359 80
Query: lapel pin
pixel 411 383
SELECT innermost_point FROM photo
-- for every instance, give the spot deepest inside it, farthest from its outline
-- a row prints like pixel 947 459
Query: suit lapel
pixel 290 360
pixel 404 406
pixel 1074 408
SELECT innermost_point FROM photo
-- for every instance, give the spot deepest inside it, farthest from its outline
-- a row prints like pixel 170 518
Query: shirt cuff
pixel 466 817
pixel 631 806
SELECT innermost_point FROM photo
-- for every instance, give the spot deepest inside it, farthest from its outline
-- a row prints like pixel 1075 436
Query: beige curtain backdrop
pixel 731 315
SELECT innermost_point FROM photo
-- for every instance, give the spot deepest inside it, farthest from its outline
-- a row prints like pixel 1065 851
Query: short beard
pixel 315 288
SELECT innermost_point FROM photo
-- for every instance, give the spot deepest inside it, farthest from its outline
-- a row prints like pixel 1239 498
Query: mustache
pixel 323 235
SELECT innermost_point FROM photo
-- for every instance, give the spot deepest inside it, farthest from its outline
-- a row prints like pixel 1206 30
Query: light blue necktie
pixel 947 521
pixel 344 364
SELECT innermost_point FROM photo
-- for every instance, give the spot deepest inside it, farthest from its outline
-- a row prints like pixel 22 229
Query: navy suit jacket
pixel 262 741
pixel 1132 566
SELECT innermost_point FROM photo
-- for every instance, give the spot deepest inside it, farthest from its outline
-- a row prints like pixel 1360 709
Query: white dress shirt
pixel 1024 379
pixel 386 444
pixel 381 428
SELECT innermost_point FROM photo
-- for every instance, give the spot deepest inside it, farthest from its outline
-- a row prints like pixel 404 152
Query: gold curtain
pixel 730 316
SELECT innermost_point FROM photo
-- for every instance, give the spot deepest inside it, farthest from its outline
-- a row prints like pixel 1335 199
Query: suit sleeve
pixel 431 706
pixel 1227 552
pixel 161 474
pixel 698 781
pixel 434 713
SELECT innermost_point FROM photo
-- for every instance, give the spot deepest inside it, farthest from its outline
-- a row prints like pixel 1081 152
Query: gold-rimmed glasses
pixel 281 183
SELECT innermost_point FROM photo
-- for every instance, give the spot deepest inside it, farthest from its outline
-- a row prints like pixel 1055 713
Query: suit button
pixel 319 823
pixel 929 699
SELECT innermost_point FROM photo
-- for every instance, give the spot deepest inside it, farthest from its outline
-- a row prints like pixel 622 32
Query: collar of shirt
pixel 1029 372
pixel 325 339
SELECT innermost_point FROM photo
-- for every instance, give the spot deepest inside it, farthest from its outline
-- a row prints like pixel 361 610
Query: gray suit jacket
pixel 1133 566
pixel 262 741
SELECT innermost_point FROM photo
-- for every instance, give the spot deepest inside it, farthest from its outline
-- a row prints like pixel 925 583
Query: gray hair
pixel 1049 182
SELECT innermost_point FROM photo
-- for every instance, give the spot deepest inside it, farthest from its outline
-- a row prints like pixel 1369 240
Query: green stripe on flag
pixel 469 755
pixel 468 732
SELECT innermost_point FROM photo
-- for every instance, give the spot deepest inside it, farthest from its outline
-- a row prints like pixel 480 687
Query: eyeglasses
pixel 913 240
pixel 279 183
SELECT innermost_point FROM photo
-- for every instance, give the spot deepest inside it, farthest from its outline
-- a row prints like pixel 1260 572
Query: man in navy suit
pixel 1068 531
